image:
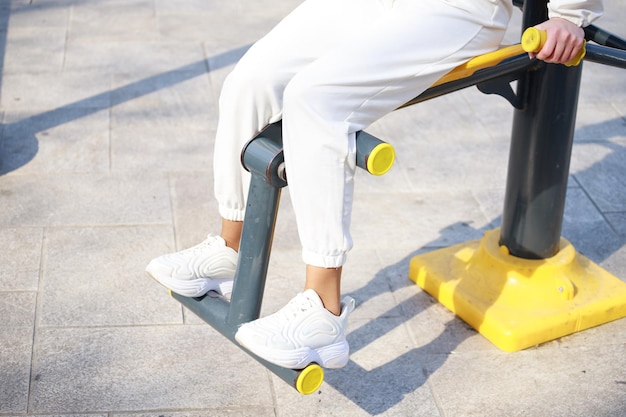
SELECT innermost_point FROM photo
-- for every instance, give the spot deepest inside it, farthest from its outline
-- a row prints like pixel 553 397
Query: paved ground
pixel 108 111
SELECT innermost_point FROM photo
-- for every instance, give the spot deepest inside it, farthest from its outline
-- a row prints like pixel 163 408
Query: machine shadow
pixel 379 389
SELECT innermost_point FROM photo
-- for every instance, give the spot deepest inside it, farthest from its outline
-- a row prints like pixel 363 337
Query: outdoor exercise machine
pixel 521 284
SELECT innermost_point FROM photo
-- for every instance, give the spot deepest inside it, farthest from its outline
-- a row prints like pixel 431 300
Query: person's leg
pixel 252 94
pixel 351 87
pixel 397 56
pixel 326 282
pixel 250 99
pixel 231 233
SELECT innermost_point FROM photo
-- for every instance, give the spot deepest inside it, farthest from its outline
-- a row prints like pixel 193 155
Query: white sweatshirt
pixel 579 12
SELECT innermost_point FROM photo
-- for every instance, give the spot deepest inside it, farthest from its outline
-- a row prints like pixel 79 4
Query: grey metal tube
pixel 262 157
pixel 214 311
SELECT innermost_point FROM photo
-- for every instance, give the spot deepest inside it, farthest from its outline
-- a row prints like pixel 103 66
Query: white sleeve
pixel 579 12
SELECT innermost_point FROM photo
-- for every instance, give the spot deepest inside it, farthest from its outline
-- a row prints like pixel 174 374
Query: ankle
pixel 233 244
pixel 326 283
pixel 231 233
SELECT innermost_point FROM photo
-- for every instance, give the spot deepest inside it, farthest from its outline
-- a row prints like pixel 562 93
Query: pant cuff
pixel 232 214
pixel 323 261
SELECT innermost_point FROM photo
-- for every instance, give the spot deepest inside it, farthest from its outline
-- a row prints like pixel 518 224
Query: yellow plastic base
pixel 309 379
pixel 518 303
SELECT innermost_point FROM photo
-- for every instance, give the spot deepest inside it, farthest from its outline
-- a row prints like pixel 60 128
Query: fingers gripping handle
pixel 533 40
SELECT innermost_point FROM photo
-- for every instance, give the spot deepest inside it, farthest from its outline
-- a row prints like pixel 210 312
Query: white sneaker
pixel 300 333
pixel 208 266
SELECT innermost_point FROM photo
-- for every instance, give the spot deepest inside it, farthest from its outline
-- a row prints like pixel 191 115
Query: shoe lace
pixel 210 240
pixel 296 306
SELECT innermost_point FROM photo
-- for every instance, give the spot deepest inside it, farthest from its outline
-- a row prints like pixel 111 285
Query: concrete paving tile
pixel 620 106
pixel 124 369
pixel 75 140
pixel 103 200
pixel 102 21
pixel 194 208
pixel 598 169
pixel 600 83
pixel 366 279
pixel 384 377
pixel 214 28
pixel 612 333
pixel 257 411
pixel 587 229
pixel 120 57
pixel 615 263
pixel 443 166
pixel 17 309
pixel 63 415
pixel 6 8
pixel 196 213
pixel 225 21
pixel 494 112
pixel 618 222
pixel 545 382
pixel 189 7
pixel 286 232
pixel 491 202
pixel 54 92
pixel 172 148
pixel 613 17
pixel 117 292
pixel 396 270
pixel 15 357
pixel 426 122
pixel 424 222
pixel 20 257
pixel 598 122
pixel 167 126
pixel 37 14
pixel 431 161
pixel 269 7
pixel 344 394
pixel 171 97
pixel 33 50
pixel 433 327
pixel 178 89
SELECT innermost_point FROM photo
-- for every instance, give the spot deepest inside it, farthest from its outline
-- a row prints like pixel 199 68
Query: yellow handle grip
pixel 533 40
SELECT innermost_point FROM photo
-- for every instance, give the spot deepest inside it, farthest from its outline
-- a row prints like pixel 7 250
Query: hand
pixel 563 42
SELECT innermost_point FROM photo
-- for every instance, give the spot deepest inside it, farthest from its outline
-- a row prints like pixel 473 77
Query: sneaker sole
pixel 331 357
pixel 188 288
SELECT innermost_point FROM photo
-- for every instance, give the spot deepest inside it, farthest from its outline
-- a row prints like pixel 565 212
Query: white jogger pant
pixel 328 70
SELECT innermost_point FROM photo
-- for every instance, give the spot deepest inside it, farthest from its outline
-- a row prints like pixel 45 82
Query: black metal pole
pixel 541 144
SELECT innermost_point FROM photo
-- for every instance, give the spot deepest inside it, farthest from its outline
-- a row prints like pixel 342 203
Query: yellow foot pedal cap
pixel 381 159
pixel 310 379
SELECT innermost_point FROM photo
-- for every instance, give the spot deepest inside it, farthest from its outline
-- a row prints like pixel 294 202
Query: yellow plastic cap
pixel 310 379
pixel 533 39
pixel 381 159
